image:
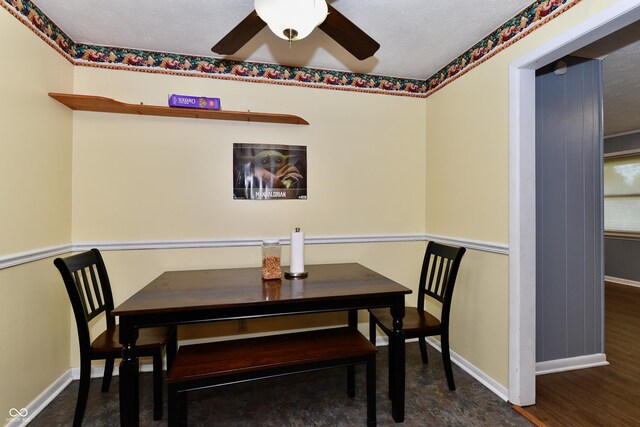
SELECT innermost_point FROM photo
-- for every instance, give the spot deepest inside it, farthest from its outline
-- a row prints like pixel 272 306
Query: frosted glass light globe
pixel 300 16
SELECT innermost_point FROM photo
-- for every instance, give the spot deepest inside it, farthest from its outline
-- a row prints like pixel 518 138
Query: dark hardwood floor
pixel 602 396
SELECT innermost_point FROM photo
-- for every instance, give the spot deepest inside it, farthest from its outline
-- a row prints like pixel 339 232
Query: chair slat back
pixel 87 283
pixel 439 272
pixel 89 288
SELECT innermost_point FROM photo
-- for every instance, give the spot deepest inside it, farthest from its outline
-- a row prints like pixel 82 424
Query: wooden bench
pixel 214 364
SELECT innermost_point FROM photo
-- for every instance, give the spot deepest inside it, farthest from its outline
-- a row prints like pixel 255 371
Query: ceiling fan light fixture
pixel 292 19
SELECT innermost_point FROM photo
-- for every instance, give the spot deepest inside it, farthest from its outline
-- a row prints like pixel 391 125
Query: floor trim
pixel 528 416
pixel 498 389
pixel 620 281
pixel 98 371
pixel 571 363
pixel 41 402
pixel 51 392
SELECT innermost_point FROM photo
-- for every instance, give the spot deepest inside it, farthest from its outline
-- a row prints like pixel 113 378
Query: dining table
pixel 209 295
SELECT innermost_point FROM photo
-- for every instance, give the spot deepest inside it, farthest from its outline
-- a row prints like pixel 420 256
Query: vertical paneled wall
pixel 619 143
pixel 621 256
pixel 569 210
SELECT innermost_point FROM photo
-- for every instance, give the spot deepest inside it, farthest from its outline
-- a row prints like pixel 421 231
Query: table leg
pixel 397 362
pixel 352 318
pixel 351 370
pixel 129 386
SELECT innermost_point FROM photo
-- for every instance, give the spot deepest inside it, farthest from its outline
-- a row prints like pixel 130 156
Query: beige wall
pixel 165 179
pixel 467 148
pixel 34 319
pixel 35 165
pixel 152 178
pixel 35 189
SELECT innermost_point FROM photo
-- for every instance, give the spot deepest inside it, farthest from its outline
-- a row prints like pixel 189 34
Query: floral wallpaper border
pixel 532 17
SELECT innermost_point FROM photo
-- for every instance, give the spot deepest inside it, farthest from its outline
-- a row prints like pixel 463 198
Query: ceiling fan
pixel 293 20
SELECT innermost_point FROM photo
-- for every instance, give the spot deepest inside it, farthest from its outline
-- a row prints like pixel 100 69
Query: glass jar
pixel 271 260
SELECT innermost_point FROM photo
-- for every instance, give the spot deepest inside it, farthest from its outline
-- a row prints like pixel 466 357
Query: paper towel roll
pixel 297 251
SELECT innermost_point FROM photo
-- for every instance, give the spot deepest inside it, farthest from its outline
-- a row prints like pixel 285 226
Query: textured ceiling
pixel 417 37
pixel 621 89
pixel 620 54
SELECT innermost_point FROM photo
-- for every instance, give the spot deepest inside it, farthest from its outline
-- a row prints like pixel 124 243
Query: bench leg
pixel 172 406
pixel 392 362
pixel 157 385
pixel 177 407
pixel 182 409
pixel 172 347
pixel 351 380
pixel 371 392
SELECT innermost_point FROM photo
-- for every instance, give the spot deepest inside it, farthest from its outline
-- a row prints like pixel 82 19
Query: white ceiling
pixel 417 37
pixel 621 89
pixel 620 54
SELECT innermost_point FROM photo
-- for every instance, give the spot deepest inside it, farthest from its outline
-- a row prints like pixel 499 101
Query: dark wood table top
pixel 228 288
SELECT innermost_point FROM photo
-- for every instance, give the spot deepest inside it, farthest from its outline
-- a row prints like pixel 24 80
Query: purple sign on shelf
pixel 201 102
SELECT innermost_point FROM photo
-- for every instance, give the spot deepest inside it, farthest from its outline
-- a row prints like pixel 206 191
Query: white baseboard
pixel 571 363
pixel 622 281
pixel 98 371
pixel 498 389
pixel 40 402
pixel 501 391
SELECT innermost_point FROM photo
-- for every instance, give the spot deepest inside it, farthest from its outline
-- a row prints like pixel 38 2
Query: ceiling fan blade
pixel 349 35
pixel 240 35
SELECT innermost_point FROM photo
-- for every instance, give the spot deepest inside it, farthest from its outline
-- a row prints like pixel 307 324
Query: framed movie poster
pixel 268 172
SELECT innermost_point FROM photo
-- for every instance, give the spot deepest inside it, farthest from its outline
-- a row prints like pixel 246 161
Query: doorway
pixel 522 191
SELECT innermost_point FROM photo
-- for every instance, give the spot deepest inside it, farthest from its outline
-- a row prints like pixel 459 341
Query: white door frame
pixel 522 204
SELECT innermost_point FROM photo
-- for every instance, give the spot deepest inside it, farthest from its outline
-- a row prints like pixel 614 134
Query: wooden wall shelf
pixel 108 105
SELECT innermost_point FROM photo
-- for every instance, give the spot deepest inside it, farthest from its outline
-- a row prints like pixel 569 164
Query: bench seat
pixel 219 363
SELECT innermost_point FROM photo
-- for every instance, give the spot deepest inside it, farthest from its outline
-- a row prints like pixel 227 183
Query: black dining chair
pixel 87 283
pixel 437 280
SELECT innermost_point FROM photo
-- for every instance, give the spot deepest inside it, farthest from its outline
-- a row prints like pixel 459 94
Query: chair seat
pixel 148 338
pixel 415 322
